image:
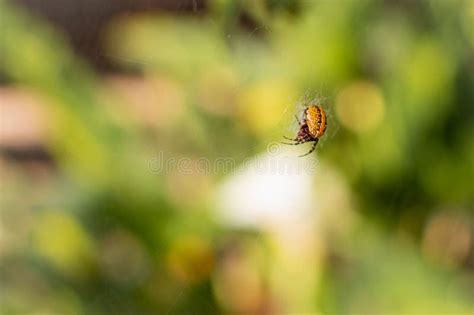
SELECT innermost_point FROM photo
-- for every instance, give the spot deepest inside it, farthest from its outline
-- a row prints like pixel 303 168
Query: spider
pixel 312 127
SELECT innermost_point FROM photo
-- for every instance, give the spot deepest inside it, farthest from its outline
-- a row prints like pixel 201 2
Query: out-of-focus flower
pixel 277 193
pixel 268 191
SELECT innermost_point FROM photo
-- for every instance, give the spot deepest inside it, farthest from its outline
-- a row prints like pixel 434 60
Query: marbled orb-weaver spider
pixel 312 127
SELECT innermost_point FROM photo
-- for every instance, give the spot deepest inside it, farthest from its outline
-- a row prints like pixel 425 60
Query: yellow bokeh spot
pixel 264 105
pixel 61 241
pixel 360 107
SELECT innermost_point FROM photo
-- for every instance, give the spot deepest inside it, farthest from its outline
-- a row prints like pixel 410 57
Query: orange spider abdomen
pixel 316 120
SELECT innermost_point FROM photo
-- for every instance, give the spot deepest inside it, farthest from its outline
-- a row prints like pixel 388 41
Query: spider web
pixel 286 125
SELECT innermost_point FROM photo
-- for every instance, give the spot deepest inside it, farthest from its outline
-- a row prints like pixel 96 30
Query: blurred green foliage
pixel 102 234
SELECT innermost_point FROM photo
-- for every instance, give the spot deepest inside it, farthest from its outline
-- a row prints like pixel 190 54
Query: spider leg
pixel 312 149
pixel 297 119
pixel 296 143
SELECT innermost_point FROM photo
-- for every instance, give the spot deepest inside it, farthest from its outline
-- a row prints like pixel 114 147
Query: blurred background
pixel 141 171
